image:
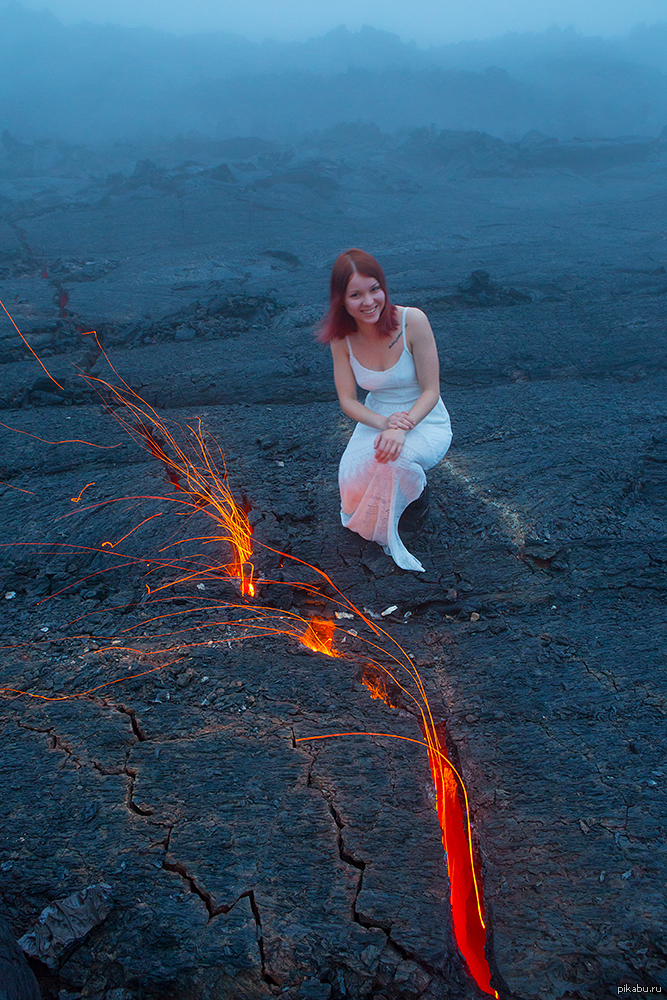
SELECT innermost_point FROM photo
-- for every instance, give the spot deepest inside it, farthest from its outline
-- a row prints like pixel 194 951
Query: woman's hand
pixel 400 421
pixel 389 444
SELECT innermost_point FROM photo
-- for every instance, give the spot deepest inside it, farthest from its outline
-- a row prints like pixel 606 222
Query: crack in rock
pixel 360 918
pixel 131 774
pixel 266 976
pixel 178 868
pixel 56 743
pixel 207 899
pixel 166 841
pixel 131 804
pixel 349 859
pixel 132 716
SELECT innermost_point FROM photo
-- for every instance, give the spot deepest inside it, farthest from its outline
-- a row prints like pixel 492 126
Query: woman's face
pixel 364 299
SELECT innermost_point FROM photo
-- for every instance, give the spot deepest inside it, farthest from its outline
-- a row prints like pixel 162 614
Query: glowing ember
pixel 377 687
pixel 319 636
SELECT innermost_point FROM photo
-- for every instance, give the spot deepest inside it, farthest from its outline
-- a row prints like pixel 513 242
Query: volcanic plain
pixel 243 863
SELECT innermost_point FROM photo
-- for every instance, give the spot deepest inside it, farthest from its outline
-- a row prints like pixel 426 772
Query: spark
pixel 29 347
pixel 113 545
pixel 91 444
pixel 76 499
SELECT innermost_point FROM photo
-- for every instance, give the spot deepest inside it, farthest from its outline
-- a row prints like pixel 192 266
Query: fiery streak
pixel 19 488
pixel 199 478
pixel 29 347
pixel 91 444
pixel 113 545
pixel 76 499
pixel 88 691
pixel 202 486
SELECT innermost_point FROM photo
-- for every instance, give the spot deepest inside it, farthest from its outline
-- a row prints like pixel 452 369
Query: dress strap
pixel 349 347
pixel 405 343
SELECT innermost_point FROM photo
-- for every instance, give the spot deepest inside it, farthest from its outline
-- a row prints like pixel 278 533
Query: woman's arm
pixel 425 354
pixel 346 387
pixel 389 442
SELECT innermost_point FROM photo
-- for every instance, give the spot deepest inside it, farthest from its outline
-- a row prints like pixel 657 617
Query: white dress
pixel 375 494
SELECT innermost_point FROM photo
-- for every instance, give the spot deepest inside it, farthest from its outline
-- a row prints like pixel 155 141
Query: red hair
pixel 338 323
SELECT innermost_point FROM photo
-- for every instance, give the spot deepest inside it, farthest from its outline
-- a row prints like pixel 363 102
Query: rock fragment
pixel 65 922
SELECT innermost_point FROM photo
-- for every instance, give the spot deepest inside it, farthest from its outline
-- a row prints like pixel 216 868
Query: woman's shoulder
pixel 340 347
pixel 416 320
pixel 412 313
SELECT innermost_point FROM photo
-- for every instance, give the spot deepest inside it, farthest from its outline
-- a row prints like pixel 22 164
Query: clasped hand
pixel 400 421
pixel 389 442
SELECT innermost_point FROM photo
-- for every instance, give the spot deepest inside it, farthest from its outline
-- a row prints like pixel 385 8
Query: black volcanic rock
pixel 245 863
pixel 17 981
pixel 654 473
pixel 479 289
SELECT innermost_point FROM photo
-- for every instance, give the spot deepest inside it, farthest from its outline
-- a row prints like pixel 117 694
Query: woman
pixel 402 426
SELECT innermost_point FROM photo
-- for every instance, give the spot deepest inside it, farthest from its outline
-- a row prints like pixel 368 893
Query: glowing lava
pixel 191 472
pixel 465 885
pixel 454 818
pixel 319 636
pixel 376 685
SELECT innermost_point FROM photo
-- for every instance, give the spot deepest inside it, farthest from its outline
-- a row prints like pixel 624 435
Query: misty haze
pixel 91 83
pixel 184 196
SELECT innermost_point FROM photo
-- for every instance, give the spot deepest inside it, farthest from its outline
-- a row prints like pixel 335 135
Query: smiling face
pixel 364 299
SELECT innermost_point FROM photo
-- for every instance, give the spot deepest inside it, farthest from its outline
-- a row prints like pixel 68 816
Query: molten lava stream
pixel 465 885
pixel 465 882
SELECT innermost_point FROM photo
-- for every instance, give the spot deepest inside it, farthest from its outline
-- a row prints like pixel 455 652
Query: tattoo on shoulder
pixel 397 337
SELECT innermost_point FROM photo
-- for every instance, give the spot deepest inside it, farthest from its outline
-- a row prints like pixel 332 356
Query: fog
pixel 428 22
pixel 90 82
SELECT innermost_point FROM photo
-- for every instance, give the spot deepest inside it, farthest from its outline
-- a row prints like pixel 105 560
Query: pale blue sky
pixel 425 21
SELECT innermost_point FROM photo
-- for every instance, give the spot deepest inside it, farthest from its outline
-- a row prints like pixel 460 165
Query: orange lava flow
pixel 466 897
pixel 465 888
